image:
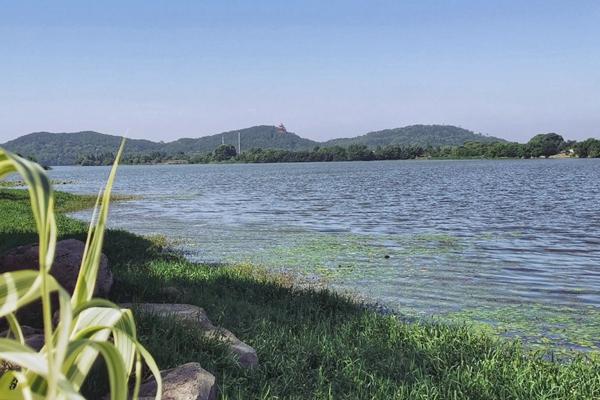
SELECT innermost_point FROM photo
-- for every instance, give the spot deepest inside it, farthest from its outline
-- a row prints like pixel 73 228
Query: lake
pixel 509 244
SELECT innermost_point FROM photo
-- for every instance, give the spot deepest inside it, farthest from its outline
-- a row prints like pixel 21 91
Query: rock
pixel 65 268
pixel 26 330
pixel 246 355
pixel 186 382
pixel 36 341
pixel 33 337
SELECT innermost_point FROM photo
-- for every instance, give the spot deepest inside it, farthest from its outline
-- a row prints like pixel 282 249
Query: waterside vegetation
pixel 540 146
pixel 312 343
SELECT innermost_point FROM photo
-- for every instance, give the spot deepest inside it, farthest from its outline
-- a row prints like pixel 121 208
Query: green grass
pixel 311 343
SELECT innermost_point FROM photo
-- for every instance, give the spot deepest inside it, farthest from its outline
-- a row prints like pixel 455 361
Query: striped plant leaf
pixel 87 327
pixel 84 289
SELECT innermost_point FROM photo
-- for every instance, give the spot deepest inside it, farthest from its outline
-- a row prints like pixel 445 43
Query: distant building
pixel 564 154
pixel 281 129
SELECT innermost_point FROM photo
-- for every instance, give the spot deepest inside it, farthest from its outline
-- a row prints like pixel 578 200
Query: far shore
pixel 341 161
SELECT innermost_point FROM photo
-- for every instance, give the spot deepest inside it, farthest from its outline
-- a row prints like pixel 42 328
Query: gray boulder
pixel 186 382
pixel 35 341
pixel 65 268
pixel 245 354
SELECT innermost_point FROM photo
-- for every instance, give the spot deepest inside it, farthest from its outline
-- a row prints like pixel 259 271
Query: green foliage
pixel 359 152
pixel 481 150
pixel 545 144
pixel 67 148
pixel 342 349
pixel 326 154
pixel 267 144
pixel 224 152
pixel 155 157
pixel 92 148
pixel 106 158
pixel 86 328
pixel 263 136
pixel 589 148
pixel 416 135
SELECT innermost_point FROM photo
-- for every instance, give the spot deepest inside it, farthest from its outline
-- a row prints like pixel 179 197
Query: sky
pixel 169 69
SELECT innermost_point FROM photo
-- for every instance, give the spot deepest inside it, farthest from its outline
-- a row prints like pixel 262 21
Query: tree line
pixel 543 145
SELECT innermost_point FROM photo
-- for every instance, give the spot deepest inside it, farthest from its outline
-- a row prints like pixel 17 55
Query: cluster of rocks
pixel 190 381
pixel 186 382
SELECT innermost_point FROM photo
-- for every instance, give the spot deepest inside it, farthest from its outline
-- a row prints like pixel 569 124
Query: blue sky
pixel 170 69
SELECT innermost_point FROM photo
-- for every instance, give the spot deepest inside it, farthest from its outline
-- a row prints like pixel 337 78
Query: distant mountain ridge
pixel 65 148
pixel 416 135
pixel 263 136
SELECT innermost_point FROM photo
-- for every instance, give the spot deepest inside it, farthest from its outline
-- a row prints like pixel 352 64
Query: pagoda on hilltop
pixel 281 129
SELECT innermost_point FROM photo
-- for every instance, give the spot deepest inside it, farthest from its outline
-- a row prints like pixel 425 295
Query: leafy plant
pixel 87 327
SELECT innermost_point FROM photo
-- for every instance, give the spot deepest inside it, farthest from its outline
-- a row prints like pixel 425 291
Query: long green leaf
pixel 86 281
pixel 63 330
pixel 124 336
pixel 24 356
pixel 114 364
pixel 98 321
pixel 14 386
pixel 42 201
pixel 149 360
pixel 86 326
pixel 42 206
pixel 15 327
pixel 20 288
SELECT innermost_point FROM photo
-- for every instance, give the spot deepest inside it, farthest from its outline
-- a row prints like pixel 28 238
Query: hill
pixel 416 135
pixel 65 148
pixel 263 136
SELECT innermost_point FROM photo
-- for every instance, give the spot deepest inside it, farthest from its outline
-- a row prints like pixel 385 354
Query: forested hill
pixel 67 148
pixel 262 136
pixel 416 135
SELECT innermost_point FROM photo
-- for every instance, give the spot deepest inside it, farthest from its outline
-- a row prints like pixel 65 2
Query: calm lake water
pixel 514 245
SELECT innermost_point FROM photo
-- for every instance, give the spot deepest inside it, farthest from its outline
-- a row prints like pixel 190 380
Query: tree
pixel 359 152
pixel 225 152
pixel 545 144
pixel 588 148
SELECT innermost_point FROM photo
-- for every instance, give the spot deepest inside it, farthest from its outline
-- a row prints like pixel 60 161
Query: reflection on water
pixel 514 244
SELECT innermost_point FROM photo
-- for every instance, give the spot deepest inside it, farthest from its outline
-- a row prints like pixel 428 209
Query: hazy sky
pixel 170 69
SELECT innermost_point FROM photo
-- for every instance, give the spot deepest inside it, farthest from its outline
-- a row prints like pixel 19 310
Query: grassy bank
pixel 311 344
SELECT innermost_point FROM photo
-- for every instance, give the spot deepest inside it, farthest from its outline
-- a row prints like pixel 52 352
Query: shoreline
pixel 563 348
pixel 342 349
pixel 337 161
pixel 503 321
